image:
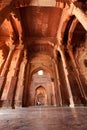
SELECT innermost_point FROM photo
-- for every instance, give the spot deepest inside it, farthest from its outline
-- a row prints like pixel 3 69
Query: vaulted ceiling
pixel 38 19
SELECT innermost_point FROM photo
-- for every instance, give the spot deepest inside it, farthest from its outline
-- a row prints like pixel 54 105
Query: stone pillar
pixel 7 60
pixel 61 50
pixel 3 72
pixel 59 91
pixel 20 84
pixel 54 84
pixel 11 79
pixel 53 97
pixel 80 15
pixel 77 74
pixel 57 79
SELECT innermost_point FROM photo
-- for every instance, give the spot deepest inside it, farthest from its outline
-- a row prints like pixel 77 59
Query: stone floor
pixel 44 118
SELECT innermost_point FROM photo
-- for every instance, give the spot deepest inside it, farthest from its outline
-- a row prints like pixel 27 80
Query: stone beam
pixel 42 3
pixel 80 15
pixel 35 3
pixel 67 12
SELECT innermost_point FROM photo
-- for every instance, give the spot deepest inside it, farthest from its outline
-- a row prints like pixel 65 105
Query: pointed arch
pixel 40 96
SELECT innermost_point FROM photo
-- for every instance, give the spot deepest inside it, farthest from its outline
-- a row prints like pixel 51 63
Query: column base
pixel 18 104
pixel 71 102
pixel 6 103
pixel 71 105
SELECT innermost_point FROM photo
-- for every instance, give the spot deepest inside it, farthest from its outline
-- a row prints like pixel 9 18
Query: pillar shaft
pixel 61 50
pixel 7 61
pixel 58 80
pixel 53 94
pixel 54 84
pixel 77 73
pixel 11 79
pixel 20 84
pixel 3 72
pixel 59 91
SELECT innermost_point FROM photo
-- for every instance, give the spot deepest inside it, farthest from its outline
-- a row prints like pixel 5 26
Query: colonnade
pixel 9 75
pixel 13 72
pixel 82 18
pixel 77 75
pixel 13 76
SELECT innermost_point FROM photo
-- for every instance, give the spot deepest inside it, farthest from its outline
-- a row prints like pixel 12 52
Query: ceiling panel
pixel 40 21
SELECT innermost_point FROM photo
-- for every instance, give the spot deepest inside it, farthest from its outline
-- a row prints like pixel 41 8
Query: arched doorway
pixel 40 96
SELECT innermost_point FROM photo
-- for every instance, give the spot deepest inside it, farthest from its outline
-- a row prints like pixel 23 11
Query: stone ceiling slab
pixel 40 21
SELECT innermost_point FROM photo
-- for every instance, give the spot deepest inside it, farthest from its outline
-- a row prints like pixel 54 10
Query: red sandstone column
pixel 61 50
pixel 58 92
pixel 20 84
pixel 7 61
pixel 53 98
pixel 11 79
pixel 77 71
pixel 2 75
pixel 54 86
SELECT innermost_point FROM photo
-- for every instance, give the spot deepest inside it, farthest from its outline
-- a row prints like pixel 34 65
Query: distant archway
pixel 40 96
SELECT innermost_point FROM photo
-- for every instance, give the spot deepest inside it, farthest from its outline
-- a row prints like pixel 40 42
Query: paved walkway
pixel 44 118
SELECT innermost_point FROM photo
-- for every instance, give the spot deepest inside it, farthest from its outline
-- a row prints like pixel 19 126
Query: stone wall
pixel 81 57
